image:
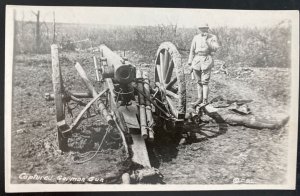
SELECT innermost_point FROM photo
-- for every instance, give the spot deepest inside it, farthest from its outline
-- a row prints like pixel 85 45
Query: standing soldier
pixel 204 45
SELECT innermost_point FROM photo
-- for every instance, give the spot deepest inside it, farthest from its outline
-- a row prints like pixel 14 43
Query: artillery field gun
pixel 128 101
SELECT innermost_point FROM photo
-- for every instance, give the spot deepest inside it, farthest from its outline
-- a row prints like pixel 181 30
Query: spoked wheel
pixel 169 76
pixel 58 89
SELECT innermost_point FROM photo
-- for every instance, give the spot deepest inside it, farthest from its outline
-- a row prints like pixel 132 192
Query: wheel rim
pixel 170 77
pixel 58 89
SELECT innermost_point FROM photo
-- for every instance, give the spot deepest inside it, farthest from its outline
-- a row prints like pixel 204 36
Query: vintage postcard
pixel 150 99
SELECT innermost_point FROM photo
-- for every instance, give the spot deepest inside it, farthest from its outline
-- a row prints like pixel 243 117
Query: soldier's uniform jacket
pixel 200 54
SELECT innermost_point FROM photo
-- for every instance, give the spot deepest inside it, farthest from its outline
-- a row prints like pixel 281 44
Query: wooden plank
pixel 85 79
pixel 140 153
pixel 130 115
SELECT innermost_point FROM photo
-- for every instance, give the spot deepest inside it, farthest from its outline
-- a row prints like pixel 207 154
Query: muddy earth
pixel 236 155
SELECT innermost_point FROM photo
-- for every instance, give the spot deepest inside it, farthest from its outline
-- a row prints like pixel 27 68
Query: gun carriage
pixel 128 101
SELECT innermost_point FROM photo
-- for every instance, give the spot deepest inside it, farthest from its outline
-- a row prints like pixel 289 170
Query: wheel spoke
pixel 166 64
pixel 158 73
pixel 171 94
pixel 171 83
pixel 161 63
pixel 172 106
pixel 169 72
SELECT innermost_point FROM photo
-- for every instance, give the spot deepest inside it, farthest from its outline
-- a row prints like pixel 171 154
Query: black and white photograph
pixel 150 99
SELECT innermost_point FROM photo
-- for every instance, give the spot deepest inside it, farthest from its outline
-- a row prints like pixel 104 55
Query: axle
pixel 50 96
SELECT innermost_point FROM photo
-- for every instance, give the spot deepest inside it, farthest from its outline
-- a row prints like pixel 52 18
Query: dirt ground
pixel 239 155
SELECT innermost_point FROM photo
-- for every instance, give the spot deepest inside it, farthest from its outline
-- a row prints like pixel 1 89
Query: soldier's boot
pixel 205 93
pixel 200 97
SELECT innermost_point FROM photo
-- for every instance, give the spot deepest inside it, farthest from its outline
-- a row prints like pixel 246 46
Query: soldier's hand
pixel 209 35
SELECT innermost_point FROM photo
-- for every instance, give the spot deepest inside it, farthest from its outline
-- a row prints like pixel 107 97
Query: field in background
pixel 250 47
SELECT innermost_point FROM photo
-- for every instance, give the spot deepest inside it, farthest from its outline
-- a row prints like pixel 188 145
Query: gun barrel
pixel 124 71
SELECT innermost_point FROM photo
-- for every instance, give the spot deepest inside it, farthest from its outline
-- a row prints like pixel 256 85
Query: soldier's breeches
pixel 202 76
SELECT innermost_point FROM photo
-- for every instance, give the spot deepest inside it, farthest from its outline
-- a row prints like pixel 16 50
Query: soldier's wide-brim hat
pixel 203 26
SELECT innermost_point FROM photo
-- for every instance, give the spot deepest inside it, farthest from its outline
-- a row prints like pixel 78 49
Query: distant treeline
pixel 262 47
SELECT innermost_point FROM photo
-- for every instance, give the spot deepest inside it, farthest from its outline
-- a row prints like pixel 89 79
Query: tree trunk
pixel 54 38
pixel 37 32
pixel 22 27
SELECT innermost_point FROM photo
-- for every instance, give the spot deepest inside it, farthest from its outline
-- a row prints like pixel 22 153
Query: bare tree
pixel 54 28
pixel 22 26
pixel 37 32
pixel 47 30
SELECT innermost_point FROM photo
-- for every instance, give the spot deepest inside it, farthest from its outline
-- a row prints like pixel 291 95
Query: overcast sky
pixel 153 16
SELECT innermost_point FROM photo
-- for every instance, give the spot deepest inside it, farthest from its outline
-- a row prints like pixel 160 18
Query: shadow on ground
pixel 167 143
